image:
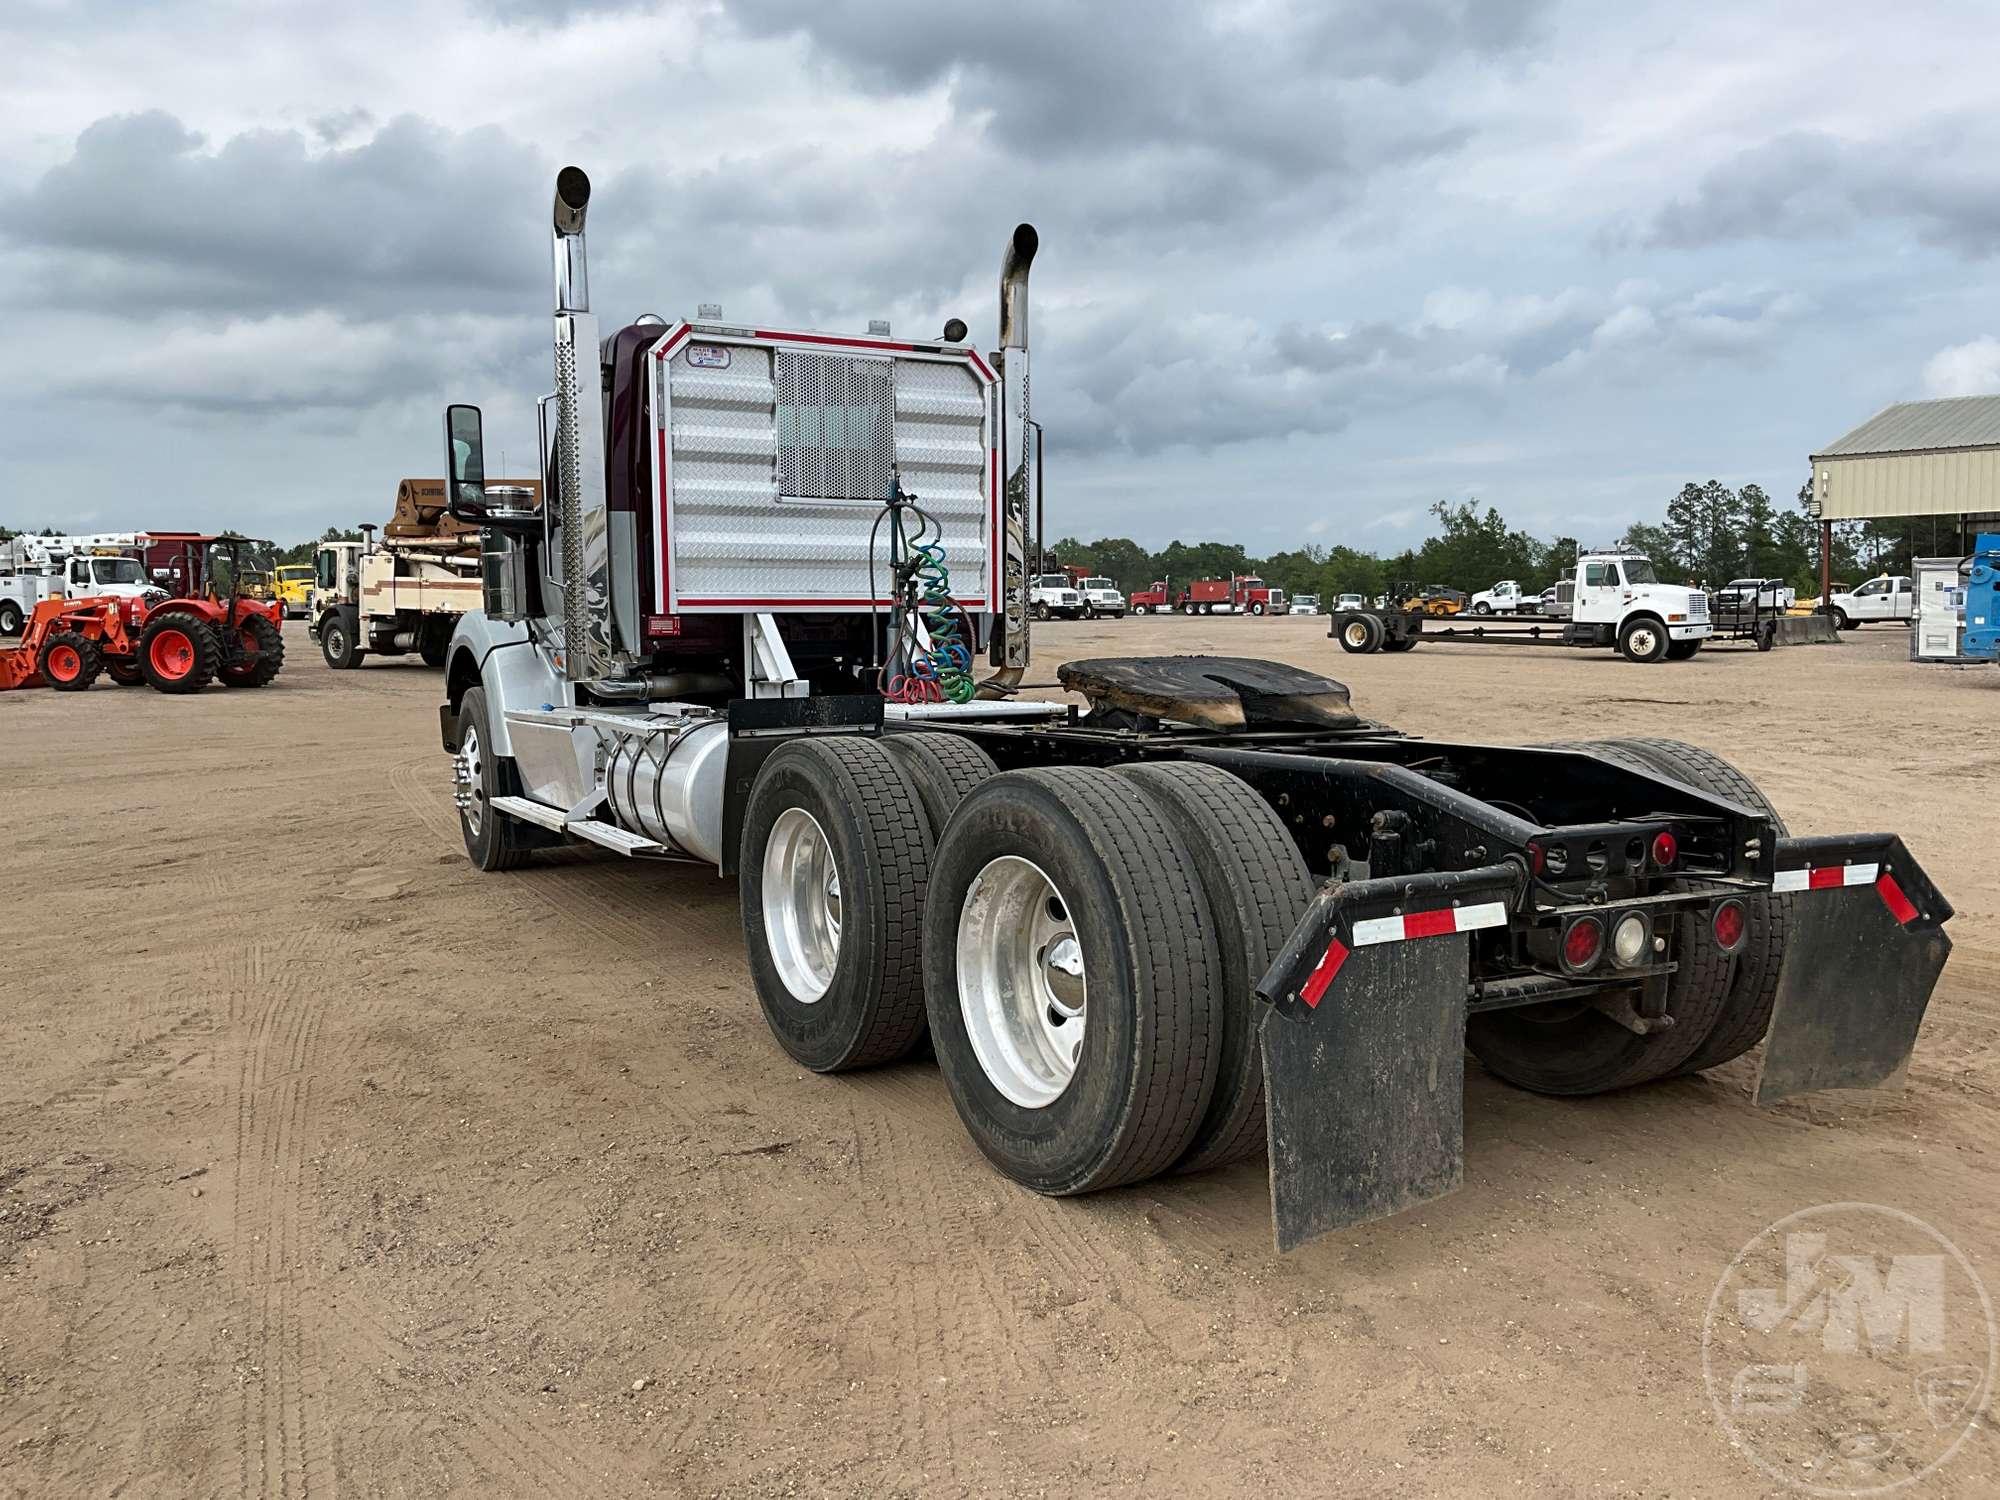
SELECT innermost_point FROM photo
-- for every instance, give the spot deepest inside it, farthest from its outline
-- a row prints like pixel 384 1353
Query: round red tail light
pixel 1666 849
pixel 1730 923
pixel 1583 943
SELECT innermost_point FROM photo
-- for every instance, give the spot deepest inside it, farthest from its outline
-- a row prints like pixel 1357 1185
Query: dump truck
pixel 773 621
pixel 404 592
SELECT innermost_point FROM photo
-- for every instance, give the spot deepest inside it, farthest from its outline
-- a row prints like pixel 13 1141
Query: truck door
pixel 76 585
pixel 1597 600
pixel 1903 599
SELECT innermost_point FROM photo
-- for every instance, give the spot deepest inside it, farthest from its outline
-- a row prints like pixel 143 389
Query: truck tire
pixel 1360 634
pixel 337 642
pixel 942 768
pixel 256 633
pixel 70 661
pixel 1482 608
pixel 1643 638
pixel 493 841
pixel 1404 643
pixel 1753 987
pixel 433 641
pixel 1040 611
pixel 835 862
pixel 1257 607
pixel 11 617
pixel 1570 1049
pixel 1686 650
pixel 1257 887
pixel 1063 898
pixel 178 652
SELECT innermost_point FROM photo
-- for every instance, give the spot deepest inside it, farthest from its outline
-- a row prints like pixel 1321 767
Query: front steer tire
pixel 1643 639
pixel 493 841
pixel 1147 1063
pixel 871 1010
pixel 1257 887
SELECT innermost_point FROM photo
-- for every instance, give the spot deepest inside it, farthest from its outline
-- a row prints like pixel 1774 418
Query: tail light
pixel 1666 849
pixel 1729 921
pixel 1582 944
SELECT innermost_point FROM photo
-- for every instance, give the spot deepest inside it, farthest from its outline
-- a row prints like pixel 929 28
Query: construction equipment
pixel 1214 907
pixel 211 630
pixel 405 592
pixel 66 643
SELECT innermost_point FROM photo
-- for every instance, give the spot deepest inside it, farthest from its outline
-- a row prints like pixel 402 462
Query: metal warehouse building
pixel 1917 458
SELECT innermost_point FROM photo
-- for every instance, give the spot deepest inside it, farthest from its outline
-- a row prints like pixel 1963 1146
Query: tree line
pixel 1709 535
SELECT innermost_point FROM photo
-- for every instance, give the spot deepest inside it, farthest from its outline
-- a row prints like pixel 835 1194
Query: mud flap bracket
pixel 1364 1053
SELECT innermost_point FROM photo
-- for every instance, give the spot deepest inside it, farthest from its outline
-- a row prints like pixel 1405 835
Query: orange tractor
pixel 176 646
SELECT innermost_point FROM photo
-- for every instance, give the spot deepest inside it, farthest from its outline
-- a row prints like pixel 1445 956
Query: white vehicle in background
pixel 34 568
pixel 1304 604
pixel 1101 597
pixel 1554 604
pixel 1505 598
pixel 1052 594
pixel 1888 597
pixel 1740 595
pixel 1355 601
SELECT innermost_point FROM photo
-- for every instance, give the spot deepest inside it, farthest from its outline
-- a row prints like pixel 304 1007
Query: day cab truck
pixel 1614 599
pixel 773 622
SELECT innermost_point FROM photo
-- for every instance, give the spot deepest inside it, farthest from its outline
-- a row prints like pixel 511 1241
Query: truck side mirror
pixel 465 462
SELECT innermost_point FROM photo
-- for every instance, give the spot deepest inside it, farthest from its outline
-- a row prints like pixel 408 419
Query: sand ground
pixel 328 1165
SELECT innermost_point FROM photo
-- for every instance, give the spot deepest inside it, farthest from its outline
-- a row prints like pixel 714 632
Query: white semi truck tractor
pixel 773 619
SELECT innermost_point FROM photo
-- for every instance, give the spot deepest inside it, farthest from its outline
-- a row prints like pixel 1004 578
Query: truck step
pixel 557 821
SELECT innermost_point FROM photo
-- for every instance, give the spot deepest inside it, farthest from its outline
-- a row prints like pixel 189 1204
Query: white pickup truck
pixel 1888 597
pixel 1506 598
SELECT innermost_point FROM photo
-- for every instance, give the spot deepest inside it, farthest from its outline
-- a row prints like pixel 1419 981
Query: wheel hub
pixel 1022 982
pixel 469 791
pixel 803 904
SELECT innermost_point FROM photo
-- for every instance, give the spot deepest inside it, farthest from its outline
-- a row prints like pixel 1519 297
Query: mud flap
pixel 1865 949
pixel 1364 1057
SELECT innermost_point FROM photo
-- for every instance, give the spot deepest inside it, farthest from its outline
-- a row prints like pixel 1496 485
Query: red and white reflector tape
pixel 1423 924
pixel 1824 877
pixel 1838 877
pixel 1416 924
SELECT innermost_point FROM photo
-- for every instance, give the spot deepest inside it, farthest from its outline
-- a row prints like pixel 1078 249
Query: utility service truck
pixel 102 565
pixel 1212 908
pixel 406 591
pixel 1612 599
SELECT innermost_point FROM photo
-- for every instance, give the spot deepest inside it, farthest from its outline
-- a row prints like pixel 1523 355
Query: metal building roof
pixel 1924 426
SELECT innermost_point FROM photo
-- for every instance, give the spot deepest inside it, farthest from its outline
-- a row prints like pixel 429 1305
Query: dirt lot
pixel 327 1164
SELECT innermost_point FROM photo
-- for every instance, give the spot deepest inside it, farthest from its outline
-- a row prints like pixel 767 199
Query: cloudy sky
pixel 1306 267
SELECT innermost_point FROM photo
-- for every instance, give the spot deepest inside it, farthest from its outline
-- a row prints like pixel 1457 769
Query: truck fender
pixel 501 657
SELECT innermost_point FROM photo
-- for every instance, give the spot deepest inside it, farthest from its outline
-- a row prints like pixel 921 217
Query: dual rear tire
pixel 1085 980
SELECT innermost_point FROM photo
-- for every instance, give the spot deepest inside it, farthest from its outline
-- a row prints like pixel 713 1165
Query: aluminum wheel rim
pixel 1021 982
pixel 802 904
pixel 470 768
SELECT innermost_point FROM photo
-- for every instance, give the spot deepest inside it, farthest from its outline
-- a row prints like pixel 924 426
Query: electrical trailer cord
pixel 928 656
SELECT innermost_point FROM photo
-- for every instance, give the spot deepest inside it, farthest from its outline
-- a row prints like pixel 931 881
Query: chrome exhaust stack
pixel 588 648
pixel 1021 479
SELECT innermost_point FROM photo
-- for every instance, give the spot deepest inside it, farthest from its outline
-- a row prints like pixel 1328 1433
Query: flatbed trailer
pixel 1214 913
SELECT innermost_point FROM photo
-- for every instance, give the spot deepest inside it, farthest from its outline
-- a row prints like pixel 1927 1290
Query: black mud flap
pixel 1865 949
pixel 1364 1058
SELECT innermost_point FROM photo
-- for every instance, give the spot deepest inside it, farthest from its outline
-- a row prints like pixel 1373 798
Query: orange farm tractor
pixel 176 646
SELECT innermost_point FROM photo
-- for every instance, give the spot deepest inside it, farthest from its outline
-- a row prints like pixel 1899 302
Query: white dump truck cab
pixel 1053 596
pixel 1890 596
pixel 1101 597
